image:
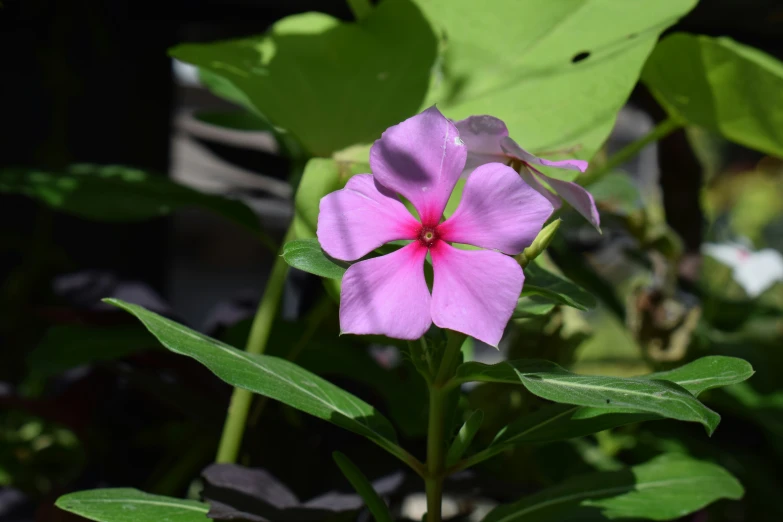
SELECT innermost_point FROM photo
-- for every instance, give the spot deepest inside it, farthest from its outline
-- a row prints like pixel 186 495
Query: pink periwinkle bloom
pixel 473 291
pixel 487 140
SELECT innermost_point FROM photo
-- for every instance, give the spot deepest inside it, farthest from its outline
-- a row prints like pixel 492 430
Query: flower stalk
pixel 234 427
pixel 436 430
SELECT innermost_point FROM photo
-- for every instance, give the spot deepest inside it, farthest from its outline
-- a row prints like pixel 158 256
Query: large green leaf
pixel 543 284
pixel 329 83
pixel 722 85
pixel 118 194
pixel 612 394
pixel 519 61
pixel 665 488
pixel 270 376
pixel 131 505
pixel 308 256
pixel 321 177
pixel 563 421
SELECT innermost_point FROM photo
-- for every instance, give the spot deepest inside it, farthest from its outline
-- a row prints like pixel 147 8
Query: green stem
pixel 435 454
pixel 660 131
pixel 360 8
pixel 234 428
pixel 436 429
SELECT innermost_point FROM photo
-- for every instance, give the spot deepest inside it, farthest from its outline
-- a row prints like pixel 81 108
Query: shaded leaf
pixel 558 72
pixel 271 376
pixel 722 85
pixel 308 256
pixel 464 437
pixel 376 505
pixel 67 346
pixel 665 488
pixel 131 505
pixel 118 194
pixel 547 286
pixel 561 421
pixel 331 84
pixel 612 394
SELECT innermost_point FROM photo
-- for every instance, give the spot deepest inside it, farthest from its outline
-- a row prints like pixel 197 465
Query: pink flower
pixel 486 138
pixel 473 291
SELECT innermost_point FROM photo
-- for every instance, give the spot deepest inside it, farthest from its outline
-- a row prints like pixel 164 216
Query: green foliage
pixel 547 286
pixel 67 346
pixel 321 177
pixel 519 61
pixel 722 85
pixel 328 83
pixel 657 394
pixel 131 505
pixel 665 488
pixel 559 422
pixel 308 256
pixel 374 502
pixel 115 193
pixel 270 376
pixel 464 437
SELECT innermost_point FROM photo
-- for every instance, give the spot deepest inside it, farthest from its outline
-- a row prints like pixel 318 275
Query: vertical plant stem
pixel 238 408
pixel 660 131
pixel 435 454
pixel 360 8
pixel 436 430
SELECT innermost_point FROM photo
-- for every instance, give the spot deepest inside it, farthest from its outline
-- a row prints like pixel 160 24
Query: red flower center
pixel 428 235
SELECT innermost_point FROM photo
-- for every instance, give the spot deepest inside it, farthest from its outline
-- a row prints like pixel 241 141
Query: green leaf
pixel 516 61
pixel 464 437
pixel 376 505
pixel 706 373
pixel 270 376
pixel 722 85
pixel 321 177
pixel 331 84
pixel 531 307
pixel 131 505
pixel 235 120
pixel 612 394
pixel 67 346
pixel 546 285
pixel 561 421
pixel 118 194
pixel 665 488
pixel 308 256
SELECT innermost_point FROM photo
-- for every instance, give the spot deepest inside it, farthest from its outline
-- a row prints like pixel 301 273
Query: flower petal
pixel 577 197
pixel 482 135
pixel 498 211
pixel 529 178
pixel 387 295
pixel 361 217
pixel 511 148
pixel 474 291
pixel 422 159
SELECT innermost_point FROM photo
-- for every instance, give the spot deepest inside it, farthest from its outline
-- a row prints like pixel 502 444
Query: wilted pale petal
pixel 577 197
pixel 387 295
pixel 474 291
pixel 422 159
pixel 482 135
pixel 498 210
pixel 511 148
pixel 359 218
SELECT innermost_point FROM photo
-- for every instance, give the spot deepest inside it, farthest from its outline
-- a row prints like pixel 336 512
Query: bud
pixel 539 244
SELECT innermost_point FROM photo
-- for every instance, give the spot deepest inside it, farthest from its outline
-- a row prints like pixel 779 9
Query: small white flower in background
pixel 754 271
